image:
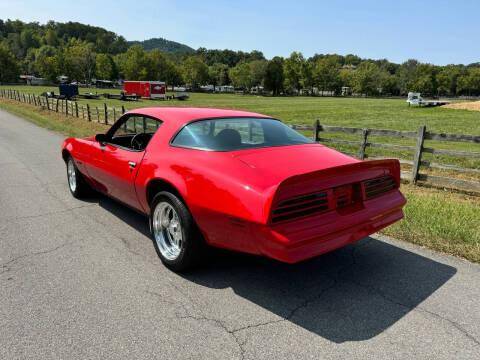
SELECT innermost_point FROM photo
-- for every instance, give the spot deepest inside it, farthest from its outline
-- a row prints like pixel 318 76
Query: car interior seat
pixel 228 139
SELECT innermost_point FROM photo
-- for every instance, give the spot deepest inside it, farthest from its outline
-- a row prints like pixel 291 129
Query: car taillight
pixel 300 206
pixel 378 186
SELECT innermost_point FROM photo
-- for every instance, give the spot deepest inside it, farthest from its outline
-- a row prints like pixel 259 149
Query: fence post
pixel 363 145
pixel 98 114
pixel 88 113
pixel 105 111
pixel 123 109
pixel 418 153
pixel 76 109
pixel 56 106
pixel 66 107
pixel 114 114
pixel 316 129
pixel 48 104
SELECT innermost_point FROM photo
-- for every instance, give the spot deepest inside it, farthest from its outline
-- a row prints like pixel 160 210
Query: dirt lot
pixel 470 105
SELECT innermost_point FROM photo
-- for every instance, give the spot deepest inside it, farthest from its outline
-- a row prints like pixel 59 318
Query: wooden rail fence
pixel 104 115
pixel 108 115
pixel 419 149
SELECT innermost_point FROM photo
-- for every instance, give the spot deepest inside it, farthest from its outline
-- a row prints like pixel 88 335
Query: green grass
pixel 52 121
pixel 437 219
pixel 440 220
pixel 355 112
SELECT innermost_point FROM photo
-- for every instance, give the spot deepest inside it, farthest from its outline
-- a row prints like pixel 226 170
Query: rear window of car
pixel 229 134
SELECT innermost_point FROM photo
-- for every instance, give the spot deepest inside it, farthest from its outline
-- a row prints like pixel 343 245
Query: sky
pixel 435 31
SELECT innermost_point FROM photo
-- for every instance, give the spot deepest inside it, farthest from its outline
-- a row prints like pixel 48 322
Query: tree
pixel 307 80
pixel 274 77
pixel 424 79
pixel 79 60
pixel 326 74
pixel 367 79
pixel 293 67
pixel 47 62
pixel 351 59
pixel 174 76
pixel 469 83
pixel 51 38
pixel 218 74
pixel 258 69
pixel 135 64
pixel 195 71
pixel 9 70
pixel 159 65
pixel 447 79
pixel 105 67
pixel 405 75
pixel 28 39
pixel 241 76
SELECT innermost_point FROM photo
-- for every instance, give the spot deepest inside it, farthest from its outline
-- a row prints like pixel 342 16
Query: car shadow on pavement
pixel 352 294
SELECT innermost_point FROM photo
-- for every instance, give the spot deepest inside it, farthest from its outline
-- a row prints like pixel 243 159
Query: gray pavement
pixel 81 280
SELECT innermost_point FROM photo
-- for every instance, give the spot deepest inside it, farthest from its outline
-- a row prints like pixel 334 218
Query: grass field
pixel 437 219
pixel 355 112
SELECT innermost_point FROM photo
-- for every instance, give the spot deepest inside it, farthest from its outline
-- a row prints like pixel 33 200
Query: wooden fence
pixel 102 114
pixel 416 162
pixel 108 115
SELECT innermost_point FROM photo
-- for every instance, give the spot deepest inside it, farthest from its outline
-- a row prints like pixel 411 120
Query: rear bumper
pixel 303 239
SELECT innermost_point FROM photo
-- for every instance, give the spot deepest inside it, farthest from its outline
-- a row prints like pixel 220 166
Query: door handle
pixel 132 164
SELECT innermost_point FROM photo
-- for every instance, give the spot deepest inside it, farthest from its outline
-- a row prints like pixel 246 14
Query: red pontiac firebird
pixel 236 180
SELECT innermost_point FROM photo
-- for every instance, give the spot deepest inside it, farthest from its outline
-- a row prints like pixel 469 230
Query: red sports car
pixel 236 180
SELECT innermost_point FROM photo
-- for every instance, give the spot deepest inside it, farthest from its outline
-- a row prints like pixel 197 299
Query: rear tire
pixel 176 237
pixel 76 183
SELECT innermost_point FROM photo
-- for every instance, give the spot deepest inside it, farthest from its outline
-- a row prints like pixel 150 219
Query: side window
pixel 127 128
pixel 135 132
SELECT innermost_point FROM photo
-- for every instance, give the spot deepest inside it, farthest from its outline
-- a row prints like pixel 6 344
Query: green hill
pixel 163 45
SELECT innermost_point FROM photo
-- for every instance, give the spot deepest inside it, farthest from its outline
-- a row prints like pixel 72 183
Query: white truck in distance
pixel 415 98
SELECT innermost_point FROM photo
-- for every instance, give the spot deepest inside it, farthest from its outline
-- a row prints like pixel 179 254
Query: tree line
pixel 83 52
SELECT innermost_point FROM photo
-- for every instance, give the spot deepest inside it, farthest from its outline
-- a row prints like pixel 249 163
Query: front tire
pixel 177 240
pixel 76 183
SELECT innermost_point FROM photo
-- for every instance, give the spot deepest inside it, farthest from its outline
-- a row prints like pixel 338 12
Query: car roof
pixel 182 115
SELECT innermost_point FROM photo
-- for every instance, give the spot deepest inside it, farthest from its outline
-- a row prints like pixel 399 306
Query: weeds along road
pixel 81 279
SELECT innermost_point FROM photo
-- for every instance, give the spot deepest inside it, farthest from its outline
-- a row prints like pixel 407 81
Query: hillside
pixel 163 45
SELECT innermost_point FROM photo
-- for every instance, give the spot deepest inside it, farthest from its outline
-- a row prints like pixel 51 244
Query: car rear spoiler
pixel 333 177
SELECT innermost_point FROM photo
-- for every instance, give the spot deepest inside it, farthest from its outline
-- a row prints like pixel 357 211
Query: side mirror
pixel 101 138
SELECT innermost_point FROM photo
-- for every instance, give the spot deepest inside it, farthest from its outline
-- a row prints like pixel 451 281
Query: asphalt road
pixel 81 280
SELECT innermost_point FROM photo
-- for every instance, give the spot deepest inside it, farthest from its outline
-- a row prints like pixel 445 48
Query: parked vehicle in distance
pixel 416 99
pixel 68 91
pixel 145 89
pixel 236 180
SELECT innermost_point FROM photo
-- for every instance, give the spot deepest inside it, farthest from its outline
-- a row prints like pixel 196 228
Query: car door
pixel 115 165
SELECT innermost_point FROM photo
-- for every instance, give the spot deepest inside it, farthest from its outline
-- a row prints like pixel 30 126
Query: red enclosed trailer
pixel 145 89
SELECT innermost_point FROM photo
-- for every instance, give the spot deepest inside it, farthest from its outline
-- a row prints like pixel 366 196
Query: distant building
pixel 346 91
pixel 225 89
pixel 103 84
pixel 33 80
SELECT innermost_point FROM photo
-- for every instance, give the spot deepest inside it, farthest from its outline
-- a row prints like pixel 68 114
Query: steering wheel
pixel 140 141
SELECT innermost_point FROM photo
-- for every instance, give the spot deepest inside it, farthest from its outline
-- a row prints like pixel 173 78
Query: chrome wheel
pixel 72 175
pixel 167 230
